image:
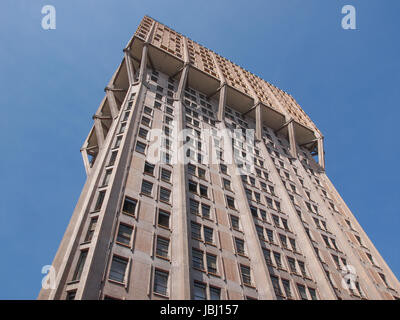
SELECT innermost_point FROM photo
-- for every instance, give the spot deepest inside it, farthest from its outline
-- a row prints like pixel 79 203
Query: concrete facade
pixel 199 229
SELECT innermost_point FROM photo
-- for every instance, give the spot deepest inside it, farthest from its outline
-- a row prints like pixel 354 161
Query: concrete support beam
pixel 222 102
pixel 143 63
pixel 112 103
pixel 99 131
pixel 182 82
pixel 292 139
pixel 222 88
pixel 85 160
pixel 129 67
pixel 258 122
pixel 180 267
pixel 321 152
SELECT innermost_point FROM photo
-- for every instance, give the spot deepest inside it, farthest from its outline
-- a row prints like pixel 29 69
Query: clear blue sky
pixel 51 83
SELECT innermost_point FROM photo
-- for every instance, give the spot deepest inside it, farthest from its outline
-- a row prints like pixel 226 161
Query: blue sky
pixel 51 83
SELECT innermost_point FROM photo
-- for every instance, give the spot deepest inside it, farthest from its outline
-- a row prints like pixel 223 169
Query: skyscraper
pixel 206 182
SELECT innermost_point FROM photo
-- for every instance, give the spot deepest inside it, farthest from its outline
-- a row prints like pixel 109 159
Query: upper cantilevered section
pixel 170 50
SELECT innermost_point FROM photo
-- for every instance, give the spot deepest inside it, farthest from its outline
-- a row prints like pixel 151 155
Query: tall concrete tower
pixel 206 182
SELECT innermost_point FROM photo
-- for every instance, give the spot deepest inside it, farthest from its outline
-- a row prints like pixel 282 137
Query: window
pixel 302 268
pixel 129 206
pixel 208 235
pixel 267 256
pixel 254 211
pixel 269 202
pixel 231 202
pixel 326 241
pixel 126 116
pixel 165 194
pixel 194 206
pixel 122 128
pixel 202 173
pixel 270 235
pixel 196 230
pixel 313 294
pixel 249 194
pixel 370 257
pixel 211 263
pixel 146 121
pixel 235 222
pixel 147 187
pixel 224 168
pixel 215 293
pixel 263 214
pixel 285 224
pixel 205 209
pixel 148 110
pixel 197 259
pixel 167 144
pixel 192 186
pixel 276 286
pixel 165 175
pixel 162 247
pixel 336 259
pixel 199 291
pixel 227 184
pixel 168 120
pixel 192 169
pixel 245 272
pixel 292 265
pixel 239 246
pixel 163 219
pixel 118 142
pixel 140 147
pixel 124 234
pixel 92 227
pixel 260 232
pixel 278 261
pixel 143 133
pixel 203 191
pixel 286 287
pixel 112 158
pixel 71 295
pixel 149 168
pixel 334 244
pixel 284 242
pixel 166 158
pixel 293 244
pixel 118 269
pixel 100 199
pixel 160 282
pixel 80 265
pixel 302 291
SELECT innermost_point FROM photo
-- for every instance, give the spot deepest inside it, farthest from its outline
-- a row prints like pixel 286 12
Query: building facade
pixel 206 182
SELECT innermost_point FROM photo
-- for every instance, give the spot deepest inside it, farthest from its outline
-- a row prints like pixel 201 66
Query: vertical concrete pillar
pixel 258 122
pixel 99 131
pixel 85 160
pixel 129 67
pixel 222 102
pixel 321 152
pixel 180 268
pixel 143 63
pixel 112 103
pixel 292 139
